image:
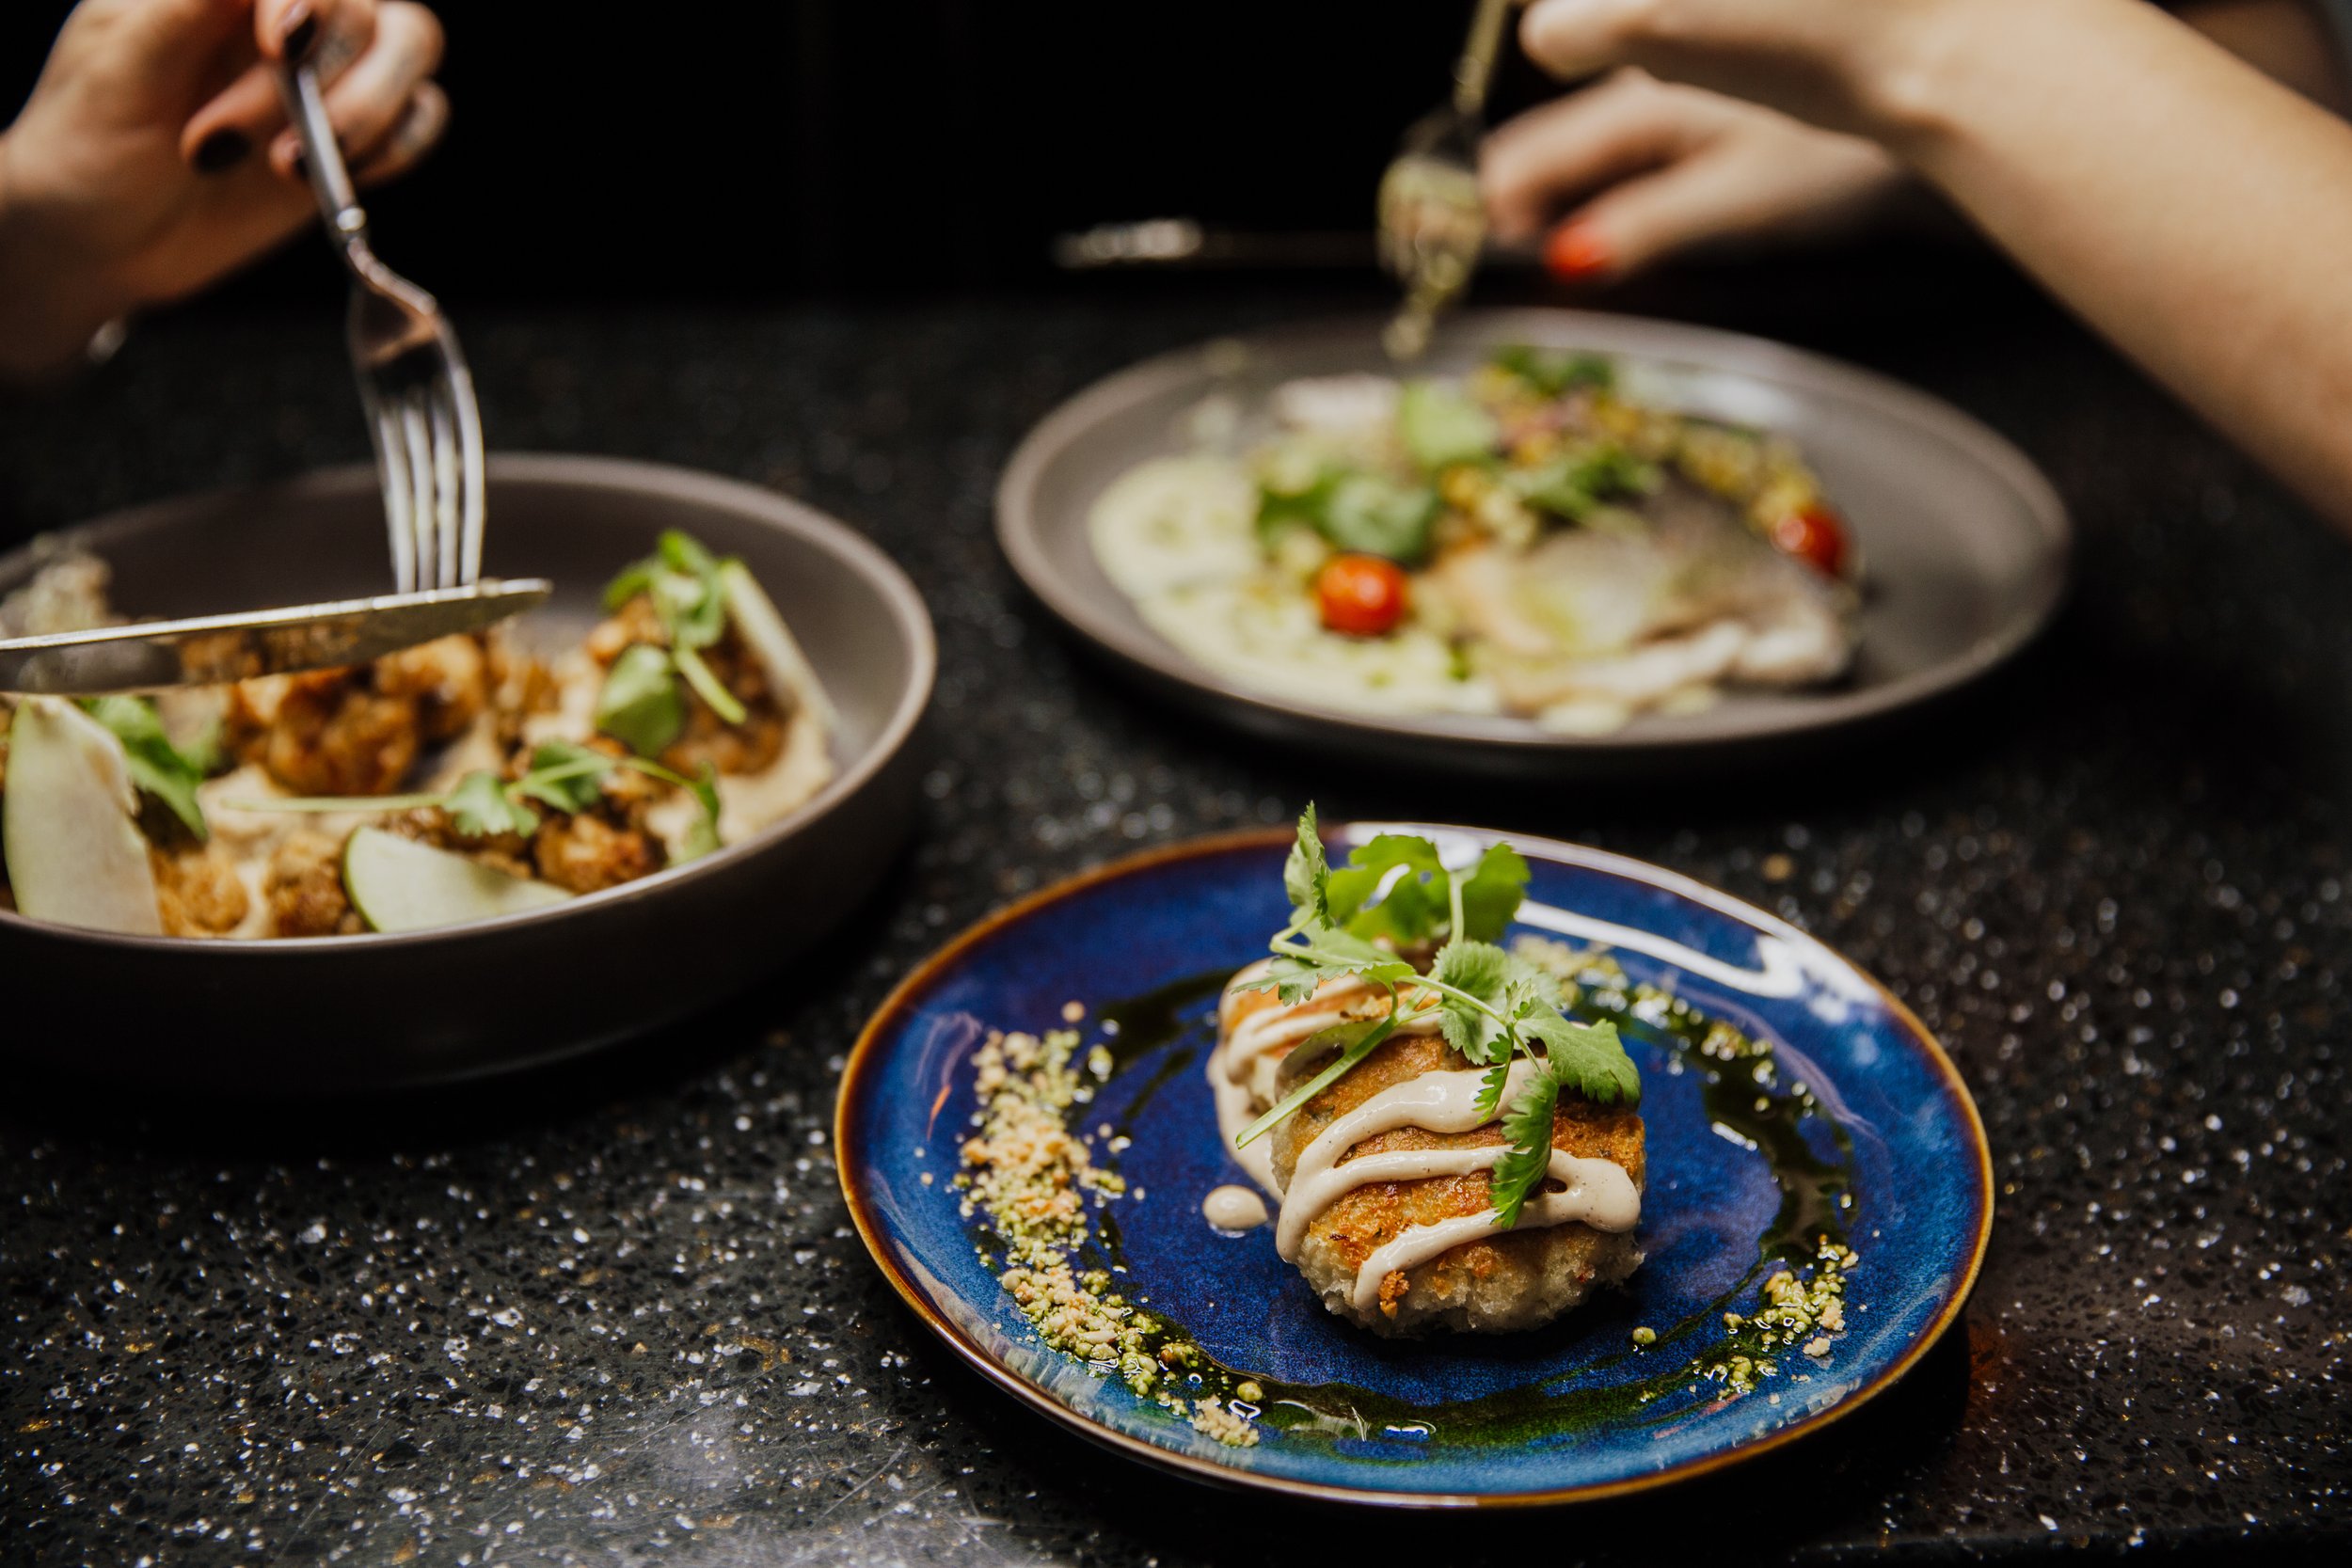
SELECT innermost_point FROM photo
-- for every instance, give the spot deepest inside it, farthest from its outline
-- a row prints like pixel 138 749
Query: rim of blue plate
pixel 848 1161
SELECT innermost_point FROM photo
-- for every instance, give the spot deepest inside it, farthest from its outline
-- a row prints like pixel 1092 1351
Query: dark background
pixel 861 149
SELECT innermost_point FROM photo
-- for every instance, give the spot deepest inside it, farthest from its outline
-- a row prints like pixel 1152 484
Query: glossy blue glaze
pixel 1919 1219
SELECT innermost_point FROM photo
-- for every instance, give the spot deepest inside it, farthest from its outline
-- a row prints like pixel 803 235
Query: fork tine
pixel 444 484
pixel 417 448
pixel 391 468
pixel 473 491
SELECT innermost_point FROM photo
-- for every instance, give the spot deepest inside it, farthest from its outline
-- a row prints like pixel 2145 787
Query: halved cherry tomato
pixel 1364 595
pixel 1815 536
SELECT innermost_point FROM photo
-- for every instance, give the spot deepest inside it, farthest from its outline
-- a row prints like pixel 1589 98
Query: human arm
pixel 1629 171
pixel 2188 207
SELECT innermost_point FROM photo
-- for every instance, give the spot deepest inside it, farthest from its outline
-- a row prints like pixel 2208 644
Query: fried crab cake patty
pixel 1512 1281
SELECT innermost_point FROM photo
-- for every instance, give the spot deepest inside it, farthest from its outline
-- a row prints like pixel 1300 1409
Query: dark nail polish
pixel 222 150
pixel 302 30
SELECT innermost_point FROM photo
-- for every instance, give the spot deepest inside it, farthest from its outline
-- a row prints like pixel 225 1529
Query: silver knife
pixel 147 655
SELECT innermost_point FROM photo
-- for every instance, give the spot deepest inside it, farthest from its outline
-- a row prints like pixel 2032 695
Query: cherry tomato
pixel 1362 595
pixel 1815 537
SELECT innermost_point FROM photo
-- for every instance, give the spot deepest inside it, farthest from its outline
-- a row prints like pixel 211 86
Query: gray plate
pixel 1965 541
pixel 339 1014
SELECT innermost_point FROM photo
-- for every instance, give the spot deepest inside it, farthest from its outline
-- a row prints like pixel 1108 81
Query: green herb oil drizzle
pixel 1743 1095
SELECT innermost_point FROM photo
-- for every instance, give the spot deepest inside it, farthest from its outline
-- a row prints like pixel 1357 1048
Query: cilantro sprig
pixel 640 704
pixel 169 773
pixel 564 777
pixel 1494 1008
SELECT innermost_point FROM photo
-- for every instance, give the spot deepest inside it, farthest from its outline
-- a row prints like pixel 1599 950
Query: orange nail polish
pixel 1576 250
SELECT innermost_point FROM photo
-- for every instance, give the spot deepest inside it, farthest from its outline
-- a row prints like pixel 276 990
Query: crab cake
pixel 1497 1283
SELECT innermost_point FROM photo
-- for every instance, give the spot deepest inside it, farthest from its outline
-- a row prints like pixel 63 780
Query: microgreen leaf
pixel 482 807
pixel 639 704
pixel 1527 1129
pixel 1588 1059
pixel 156 765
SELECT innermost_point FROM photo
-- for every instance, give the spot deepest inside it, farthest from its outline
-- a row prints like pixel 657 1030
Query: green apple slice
pixel 779 653
pixel 69 824
pixel 398 884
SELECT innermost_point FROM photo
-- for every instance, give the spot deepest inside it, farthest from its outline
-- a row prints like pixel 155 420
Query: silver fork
pixel 1433 219
pixel 413 380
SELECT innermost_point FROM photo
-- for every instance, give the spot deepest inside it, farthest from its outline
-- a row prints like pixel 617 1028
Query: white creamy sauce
pixel 1242 1071
pixel 1230 1208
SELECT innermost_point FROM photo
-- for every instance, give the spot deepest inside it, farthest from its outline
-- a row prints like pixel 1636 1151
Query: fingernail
pixel 301 30
pixel 223 149
pixel 1576 250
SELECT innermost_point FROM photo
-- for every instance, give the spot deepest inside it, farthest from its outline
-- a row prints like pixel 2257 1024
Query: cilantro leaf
pixel 639 704
pixel 568 777
pixel 682 580
pixel 1491 895
pixel 1327 953
pixel 157 766
pixel 1554 370
pixel 1527 1128
pixel 1442 427
pixel 1307 875
pixel 1490 1088
pixel 1415 902
pixel 706 685
pixel 701 836
pixel 1588 1059
pixel 1483 970
pixel 481 807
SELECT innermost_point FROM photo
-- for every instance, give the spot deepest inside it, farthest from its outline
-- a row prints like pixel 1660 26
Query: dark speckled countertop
pixel 618 1314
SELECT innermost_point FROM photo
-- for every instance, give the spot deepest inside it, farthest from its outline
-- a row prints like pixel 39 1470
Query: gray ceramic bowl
pixel 340 1014
pixel 1965 542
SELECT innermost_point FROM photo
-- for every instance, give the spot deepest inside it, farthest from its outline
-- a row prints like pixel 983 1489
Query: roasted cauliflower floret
pixel 358 730
pixel 303 885
pixel 198 893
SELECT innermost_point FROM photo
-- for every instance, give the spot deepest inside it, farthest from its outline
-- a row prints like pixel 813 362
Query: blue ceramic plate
pixel 1862 1125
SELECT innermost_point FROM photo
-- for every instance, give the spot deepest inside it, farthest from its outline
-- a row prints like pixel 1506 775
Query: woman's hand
pixel 1643 168
pixel 153 155
pixel 2186 205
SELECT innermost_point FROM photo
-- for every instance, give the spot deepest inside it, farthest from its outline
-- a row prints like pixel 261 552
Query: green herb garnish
pixel 157 766
pixel 1554 370
pixel 1577 484
pixel 682 580
pixel 1492 1006
pixel 1355 510
pixel 640 704
pixel 563 776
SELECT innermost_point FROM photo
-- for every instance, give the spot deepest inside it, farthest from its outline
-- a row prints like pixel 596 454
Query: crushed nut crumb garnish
pixel 1035 1184
pixel 1803 1304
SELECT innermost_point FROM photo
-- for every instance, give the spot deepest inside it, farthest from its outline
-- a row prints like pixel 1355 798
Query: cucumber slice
pixel 755 616
pixel 68 826
pixel 398 884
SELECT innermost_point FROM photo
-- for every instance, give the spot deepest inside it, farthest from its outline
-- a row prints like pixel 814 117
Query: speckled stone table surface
pixel 616 1313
